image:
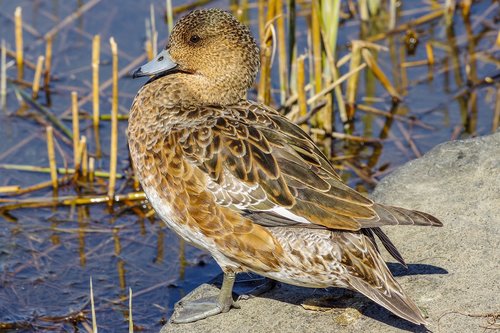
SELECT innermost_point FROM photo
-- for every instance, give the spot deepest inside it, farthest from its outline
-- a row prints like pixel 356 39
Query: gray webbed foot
pixel 191 311
pixel 188 312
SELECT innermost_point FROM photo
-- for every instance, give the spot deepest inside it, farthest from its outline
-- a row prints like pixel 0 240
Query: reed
pixel 3 77
pixel 496 115
pixel 9 188
pixel 96 52
pixel 379 74
pixel 37 76
pixel 352 82
pixel 62 171
pixel 92 308
pixel 283 70
pixel 114 124
pixel 148 47
pixel 449 11
pixel 52 157
pixel 18 21
pixel 301 88
pixel 363 10
pixel 268 44
pixel 76 127
pixel 48 67
pixel 169 15
pixel 154 32
pixel 84 157
pixel 92 173
pixel 130 319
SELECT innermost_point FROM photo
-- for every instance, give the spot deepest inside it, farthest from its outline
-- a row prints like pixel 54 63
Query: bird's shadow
pixel 334 298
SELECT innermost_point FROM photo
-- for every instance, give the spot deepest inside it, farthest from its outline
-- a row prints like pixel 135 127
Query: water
pixel 47 255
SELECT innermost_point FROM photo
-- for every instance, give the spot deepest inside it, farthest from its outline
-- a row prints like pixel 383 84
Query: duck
pixel 239 180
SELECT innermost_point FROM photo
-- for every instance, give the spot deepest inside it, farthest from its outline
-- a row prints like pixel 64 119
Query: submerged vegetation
pixel 375 83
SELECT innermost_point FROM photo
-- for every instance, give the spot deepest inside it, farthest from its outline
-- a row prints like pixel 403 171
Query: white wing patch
pixel 288 214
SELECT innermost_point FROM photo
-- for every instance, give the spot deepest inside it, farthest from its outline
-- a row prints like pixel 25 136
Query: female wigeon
pixel 239 180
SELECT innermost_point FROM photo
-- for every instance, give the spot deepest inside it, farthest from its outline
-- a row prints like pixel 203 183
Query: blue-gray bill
pixel 160 64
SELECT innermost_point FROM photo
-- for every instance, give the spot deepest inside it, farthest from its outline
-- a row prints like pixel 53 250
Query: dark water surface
pixel 47 256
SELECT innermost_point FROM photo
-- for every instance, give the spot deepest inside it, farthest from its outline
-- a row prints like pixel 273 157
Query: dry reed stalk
pixel 363 10
pixel 9 188
pixel 26 62
pixel 114 124
pixel 335 77
pixel 3 77
pixel 63 171
pixel 316 45
pixel 415 63
pixel 52 157
pixel 92 308
pixel 267 45
pixel 430 53
pixel 352 83
pixel 403 74
pixel 280 23
pixel 149 50
pixel 67 200
pixel 35 187
pixel 379 74
pixel 130 320
pixel 18 19
pixel 105 85
pixel 85 157
pixel 154 32
pixel 334 84
pixel 466 7
pixel 496 115
pixel 79 158
pixel 321 119
pixel 392 14
pixel 405 26
pixel 76 126
pixel 169 14
pixel 301 88
pixel 37 76
pixel 449 7
pixel 96 51
pixel 76 14
pixel 91 169
pixel 48 63
pixel 262 22
pixel 409 139
pixel 360 173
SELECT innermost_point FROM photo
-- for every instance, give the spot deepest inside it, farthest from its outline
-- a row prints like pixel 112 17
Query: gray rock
pixel 453 273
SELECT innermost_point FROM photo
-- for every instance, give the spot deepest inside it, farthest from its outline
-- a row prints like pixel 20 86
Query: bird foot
pixel 188 312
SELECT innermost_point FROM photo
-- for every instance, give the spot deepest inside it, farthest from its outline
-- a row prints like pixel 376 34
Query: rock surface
pixel 453 272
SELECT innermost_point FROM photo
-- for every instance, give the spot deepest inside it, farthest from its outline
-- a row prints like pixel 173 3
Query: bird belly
pixel 192 235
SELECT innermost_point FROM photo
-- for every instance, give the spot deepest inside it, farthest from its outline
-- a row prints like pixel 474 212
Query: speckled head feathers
pixel 213 44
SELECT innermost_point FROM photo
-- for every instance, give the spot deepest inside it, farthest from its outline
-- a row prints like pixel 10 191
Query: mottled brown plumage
pixel 239 180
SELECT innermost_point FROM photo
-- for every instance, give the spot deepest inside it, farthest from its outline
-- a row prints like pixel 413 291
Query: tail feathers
pixel 391 297
pixel 389 246
pixel 390 215
pixel 367 273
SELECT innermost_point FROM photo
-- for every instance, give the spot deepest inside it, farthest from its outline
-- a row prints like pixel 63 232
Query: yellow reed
pixel 18 21
pixel 52 157
pixel 96 51
pixel 114 124
pixel 36 78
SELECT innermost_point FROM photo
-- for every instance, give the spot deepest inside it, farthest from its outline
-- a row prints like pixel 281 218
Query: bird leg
pixel 187 312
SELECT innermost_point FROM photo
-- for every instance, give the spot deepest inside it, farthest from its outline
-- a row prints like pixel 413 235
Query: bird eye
pixel 194 39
